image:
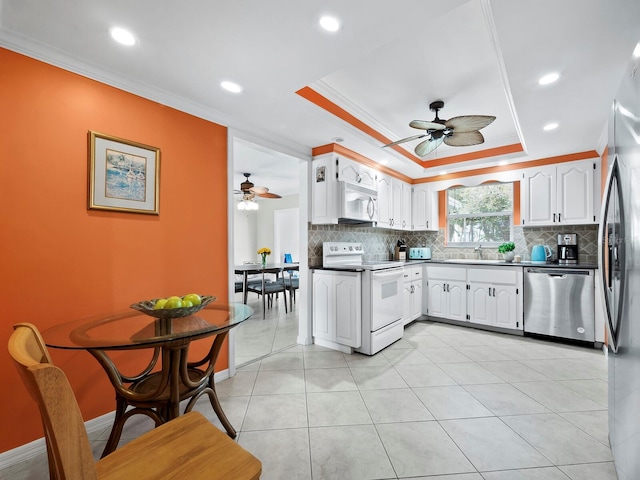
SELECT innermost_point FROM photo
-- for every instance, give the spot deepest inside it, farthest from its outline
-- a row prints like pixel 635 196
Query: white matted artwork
pixel 124 175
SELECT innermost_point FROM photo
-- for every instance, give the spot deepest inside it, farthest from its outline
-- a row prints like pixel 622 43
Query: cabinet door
pixel 416 300
pixel 539 196
pixel 575 193
pixel 505 311
pixel 405 215
pixel 324 202
pixel 457 300
pixel 407 302
pixel 355 172
pixel 346 295
pixel 368 176
pixel 385 201
pixel 481 305
pixel 348 170
pixel 437 298
pixel 419 199
pixel 396 204
pixel 322 306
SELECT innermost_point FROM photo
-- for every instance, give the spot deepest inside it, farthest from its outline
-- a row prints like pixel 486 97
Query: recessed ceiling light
pixel 338 140
pixel 120 35
pixel 550 126
pixel 330 24
pixel 549 78
pixel 443 172
pixel 636 51
pixel 503 163
pixel 231 87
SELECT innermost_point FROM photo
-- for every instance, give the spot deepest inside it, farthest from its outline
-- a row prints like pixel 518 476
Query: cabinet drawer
pixel 447 273
pixel 504 275
pixel 412 273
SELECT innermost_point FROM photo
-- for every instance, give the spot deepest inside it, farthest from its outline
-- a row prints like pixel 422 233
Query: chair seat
pixel 238 285
pixel 269 287
pixel 209 453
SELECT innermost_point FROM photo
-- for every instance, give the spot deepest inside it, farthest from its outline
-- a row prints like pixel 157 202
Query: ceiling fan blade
pixel 464 139
pixel 428 146
pixel 469 123
pixel 408 139
pixel 424 125
pixel 269 195
pixel 259 190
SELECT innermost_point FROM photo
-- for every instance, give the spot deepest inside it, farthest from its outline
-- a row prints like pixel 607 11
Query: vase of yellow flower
pixel 264 251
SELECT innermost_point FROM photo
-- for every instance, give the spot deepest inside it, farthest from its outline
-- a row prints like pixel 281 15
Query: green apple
pixel 187 303
pixel 159 305
pixel 194 298
pixel 173 302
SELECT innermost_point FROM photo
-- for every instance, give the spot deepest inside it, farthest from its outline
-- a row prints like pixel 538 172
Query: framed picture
pixel 124 176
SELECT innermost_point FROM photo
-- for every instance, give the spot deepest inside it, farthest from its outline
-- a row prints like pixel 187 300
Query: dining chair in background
pixel 293 283
pixel 186 447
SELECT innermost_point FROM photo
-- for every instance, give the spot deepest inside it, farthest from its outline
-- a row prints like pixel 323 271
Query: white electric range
pixel 382 285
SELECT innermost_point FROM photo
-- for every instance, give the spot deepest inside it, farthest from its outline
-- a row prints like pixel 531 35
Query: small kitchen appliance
pixel 540 254
pixel 567 248
pixel 420 253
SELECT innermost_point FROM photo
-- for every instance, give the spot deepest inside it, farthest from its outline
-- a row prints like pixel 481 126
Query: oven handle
pixel 389 273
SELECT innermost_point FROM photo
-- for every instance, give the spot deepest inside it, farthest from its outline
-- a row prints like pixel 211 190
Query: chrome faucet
pixel 479 250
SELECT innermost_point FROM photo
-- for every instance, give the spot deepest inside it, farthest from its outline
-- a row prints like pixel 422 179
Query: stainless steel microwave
pixel 358 203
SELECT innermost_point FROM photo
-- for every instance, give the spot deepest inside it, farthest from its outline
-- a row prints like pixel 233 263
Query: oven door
pixel 386 297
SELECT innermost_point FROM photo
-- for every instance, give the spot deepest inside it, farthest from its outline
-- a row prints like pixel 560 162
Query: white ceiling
pixel 385 65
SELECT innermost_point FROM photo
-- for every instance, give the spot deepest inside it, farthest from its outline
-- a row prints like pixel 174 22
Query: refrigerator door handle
pixel 609 255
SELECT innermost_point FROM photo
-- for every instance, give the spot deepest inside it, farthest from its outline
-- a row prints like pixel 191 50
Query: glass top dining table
pixel 130 329
pixel 170 376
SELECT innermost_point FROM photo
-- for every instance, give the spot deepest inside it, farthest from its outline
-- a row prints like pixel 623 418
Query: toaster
pixel 420 253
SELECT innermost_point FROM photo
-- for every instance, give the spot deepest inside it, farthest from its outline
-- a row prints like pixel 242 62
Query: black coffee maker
pixel 567 248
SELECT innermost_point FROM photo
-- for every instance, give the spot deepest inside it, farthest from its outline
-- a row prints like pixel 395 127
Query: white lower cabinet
pixel 493 296
pixel 337 307
pixel 447 294
pixel 479 295
pixel 412 293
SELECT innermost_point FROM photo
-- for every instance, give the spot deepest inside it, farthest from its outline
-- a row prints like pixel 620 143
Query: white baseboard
pixel 30 450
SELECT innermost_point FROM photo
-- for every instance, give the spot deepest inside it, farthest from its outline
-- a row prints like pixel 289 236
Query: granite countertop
pixel 498 263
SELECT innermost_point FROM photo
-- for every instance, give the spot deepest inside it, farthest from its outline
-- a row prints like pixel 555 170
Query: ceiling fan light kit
pixel 459 131
pixel 249 191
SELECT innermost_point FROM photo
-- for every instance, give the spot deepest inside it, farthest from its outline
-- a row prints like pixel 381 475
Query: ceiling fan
pixel 249 190
pixel 459 131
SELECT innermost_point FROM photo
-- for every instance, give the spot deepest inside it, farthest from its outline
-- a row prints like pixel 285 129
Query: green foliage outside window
pixel 482 214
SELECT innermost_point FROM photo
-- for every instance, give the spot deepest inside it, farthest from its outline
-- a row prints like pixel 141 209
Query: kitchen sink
pixel 471 260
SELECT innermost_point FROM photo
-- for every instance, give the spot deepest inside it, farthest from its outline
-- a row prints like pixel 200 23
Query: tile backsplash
pixel 379 243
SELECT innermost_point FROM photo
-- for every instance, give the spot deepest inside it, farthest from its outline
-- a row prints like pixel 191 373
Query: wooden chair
pixel 186 447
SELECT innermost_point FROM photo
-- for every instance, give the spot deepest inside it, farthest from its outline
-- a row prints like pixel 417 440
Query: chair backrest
pixel 67 439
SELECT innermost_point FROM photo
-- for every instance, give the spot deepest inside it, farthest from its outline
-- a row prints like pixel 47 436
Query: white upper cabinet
pixel 394 203
pixel 354 172
pixel 324 190
pixel 576 193
pixel 566 193
pixel 385 201
pixel 424 208
pixel 401 204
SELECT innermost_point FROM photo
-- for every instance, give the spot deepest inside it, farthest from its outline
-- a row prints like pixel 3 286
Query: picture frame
pixel 124 175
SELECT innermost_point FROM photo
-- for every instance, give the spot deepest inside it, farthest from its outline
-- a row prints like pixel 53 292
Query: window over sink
pixel 480 215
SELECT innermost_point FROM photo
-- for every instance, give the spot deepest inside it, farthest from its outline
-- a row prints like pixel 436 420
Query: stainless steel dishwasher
pixel 559 302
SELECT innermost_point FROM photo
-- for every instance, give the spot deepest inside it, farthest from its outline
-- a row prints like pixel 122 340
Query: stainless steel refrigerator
pixel 619 262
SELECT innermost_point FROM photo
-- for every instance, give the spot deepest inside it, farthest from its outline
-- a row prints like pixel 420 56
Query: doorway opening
pixel 278 224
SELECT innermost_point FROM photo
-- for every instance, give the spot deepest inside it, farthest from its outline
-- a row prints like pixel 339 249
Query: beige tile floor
pixel 443 403
pixel 259 337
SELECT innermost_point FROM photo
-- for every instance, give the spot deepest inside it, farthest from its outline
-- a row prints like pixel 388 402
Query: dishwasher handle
pixel 557 272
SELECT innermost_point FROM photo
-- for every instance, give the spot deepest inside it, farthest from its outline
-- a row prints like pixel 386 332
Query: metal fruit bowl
pixel 146 307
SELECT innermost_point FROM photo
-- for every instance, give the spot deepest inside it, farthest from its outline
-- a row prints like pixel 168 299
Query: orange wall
pixel 61 261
